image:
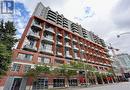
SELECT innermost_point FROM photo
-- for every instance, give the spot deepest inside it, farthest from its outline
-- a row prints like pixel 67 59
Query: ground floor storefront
pixel 44 82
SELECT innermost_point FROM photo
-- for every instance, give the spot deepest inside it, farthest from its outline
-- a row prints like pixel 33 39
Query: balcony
pixel 59 34
pixel 81 43
pixel 83 59
pixel 76 57
pixel 68 56
pixel 82 50
pixel 51 17
pixel 49 39
pixel 33 35
pixel 59 43
pixel 51 30
pixel 67 37
pixel 36 26
pixel 87 52
pixel 67 45
pixel 89 60
pixel 46 50
pixel 29 47
pixel 75 48
pixel 74 40
pixel 92 47
pixel 59 53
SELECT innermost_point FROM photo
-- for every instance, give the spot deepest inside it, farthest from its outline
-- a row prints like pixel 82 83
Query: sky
pixel 106 18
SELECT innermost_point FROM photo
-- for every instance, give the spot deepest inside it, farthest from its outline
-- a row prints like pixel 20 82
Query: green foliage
pixel 97 74
pixel 7 41
pixel 8 34
pixel 71 72
pixel 77 65
pixel 37 71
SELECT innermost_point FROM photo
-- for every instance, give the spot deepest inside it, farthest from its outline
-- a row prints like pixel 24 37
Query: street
pixel 116 86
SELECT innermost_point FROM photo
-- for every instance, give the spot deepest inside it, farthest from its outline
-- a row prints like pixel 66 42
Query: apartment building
pixel 124 63
pixel 51 38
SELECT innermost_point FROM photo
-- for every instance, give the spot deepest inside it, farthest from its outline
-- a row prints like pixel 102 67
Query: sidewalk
pixel 91 86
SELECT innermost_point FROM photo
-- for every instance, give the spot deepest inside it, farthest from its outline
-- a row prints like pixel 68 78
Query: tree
pixel 67 71
pixel 5 57
pixel 38 71
pixel 7 41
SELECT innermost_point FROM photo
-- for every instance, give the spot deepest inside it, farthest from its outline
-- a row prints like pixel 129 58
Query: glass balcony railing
pixel 67 37
pixel 82 50
pixel 59 34
pixel 81 43
pixel 50 30
pixel 35 35
pixel 83 59
pixel 68 55
pixel 59 53
pixel 36 26
pixel 74 40
pixel 46 50
pixel 29 47
pixel 76 48
pixel 59 43
pixel 67 45
pixel 76 57
pixel 50 39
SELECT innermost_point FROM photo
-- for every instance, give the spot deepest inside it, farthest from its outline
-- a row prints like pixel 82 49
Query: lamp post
pixel 118 36
pixel 116 58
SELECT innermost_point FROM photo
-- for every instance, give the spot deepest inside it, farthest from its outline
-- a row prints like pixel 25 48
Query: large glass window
pixel 16 67
pixel 47 46
pixel 73 82
pixel 59 82
pixel 44 60
pixel 22 56
pixel 40 84
pixel 32 43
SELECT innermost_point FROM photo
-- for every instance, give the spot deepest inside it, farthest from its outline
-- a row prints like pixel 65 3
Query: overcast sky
pixel 106 18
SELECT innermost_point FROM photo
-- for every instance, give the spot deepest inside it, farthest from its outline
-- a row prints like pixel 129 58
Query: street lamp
pixel 116 59
pixel 118 36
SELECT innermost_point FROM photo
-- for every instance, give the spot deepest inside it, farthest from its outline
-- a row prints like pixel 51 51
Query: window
pixel 47 47
pixel 57 61
pixel 59 82
pixel 40 84
pixel 44 60
pixel 27 68
pixel 16 67
pixel 27 57
pixel 32 42
pixel 37 22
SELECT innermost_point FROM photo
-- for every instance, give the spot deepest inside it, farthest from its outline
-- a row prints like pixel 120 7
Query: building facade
pixel 52 38
pixel 124 63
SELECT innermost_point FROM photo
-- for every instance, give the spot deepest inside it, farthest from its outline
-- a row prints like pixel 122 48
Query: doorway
pixel 16 84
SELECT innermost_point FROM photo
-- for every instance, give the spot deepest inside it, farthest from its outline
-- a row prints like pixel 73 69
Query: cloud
pixel 121 14
pixel 21 17
pixel 106 18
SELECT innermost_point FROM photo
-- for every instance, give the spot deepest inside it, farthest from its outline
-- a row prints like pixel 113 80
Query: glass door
pixel 16 84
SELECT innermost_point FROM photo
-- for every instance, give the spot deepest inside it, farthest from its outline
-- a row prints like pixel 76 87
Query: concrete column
pixel 66 82
pixel 112 79
pixel 29 87
pixel 95 78
pixel 102 79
